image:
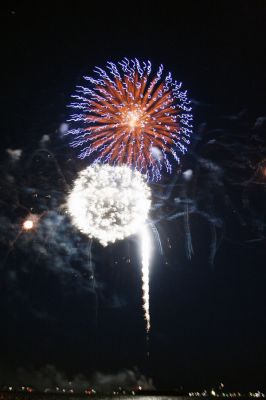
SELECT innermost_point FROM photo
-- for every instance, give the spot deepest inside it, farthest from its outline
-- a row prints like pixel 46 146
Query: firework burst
pixel 130 116
pixel 109 203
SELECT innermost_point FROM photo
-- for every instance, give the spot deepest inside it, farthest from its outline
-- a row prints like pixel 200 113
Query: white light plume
pixel 109 203
pixel 145 256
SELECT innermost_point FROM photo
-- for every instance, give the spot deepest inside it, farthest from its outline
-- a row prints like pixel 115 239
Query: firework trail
pixel 129 116
pixel 145 240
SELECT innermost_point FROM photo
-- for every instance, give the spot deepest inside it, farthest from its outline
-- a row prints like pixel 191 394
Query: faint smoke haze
pixel 48 377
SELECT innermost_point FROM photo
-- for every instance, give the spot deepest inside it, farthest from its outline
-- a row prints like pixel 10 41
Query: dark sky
pixel 208 319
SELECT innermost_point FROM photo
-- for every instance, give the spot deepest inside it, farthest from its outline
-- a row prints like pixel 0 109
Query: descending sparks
pixel 108 202
pixel 145 258
pixel 129 116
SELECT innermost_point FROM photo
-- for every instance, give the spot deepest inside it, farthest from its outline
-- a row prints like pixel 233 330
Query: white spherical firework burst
pixel 109 203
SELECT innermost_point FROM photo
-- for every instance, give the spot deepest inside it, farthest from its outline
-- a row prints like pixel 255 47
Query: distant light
pixel 30 222
pixel 28 225
pixel 213 393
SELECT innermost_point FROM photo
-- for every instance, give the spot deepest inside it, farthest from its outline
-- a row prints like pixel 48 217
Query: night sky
pixel 82 312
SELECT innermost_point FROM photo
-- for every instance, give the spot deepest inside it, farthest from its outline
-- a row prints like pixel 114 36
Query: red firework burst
pixel 130 118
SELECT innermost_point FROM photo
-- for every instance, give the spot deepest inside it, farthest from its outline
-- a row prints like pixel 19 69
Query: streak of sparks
pixel 145 240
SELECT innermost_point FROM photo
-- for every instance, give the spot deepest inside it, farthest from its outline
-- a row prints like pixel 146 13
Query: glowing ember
pixel 28 224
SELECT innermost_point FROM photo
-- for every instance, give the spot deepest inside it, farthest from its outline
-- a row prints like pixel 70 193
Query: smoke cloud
pixel 49 378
